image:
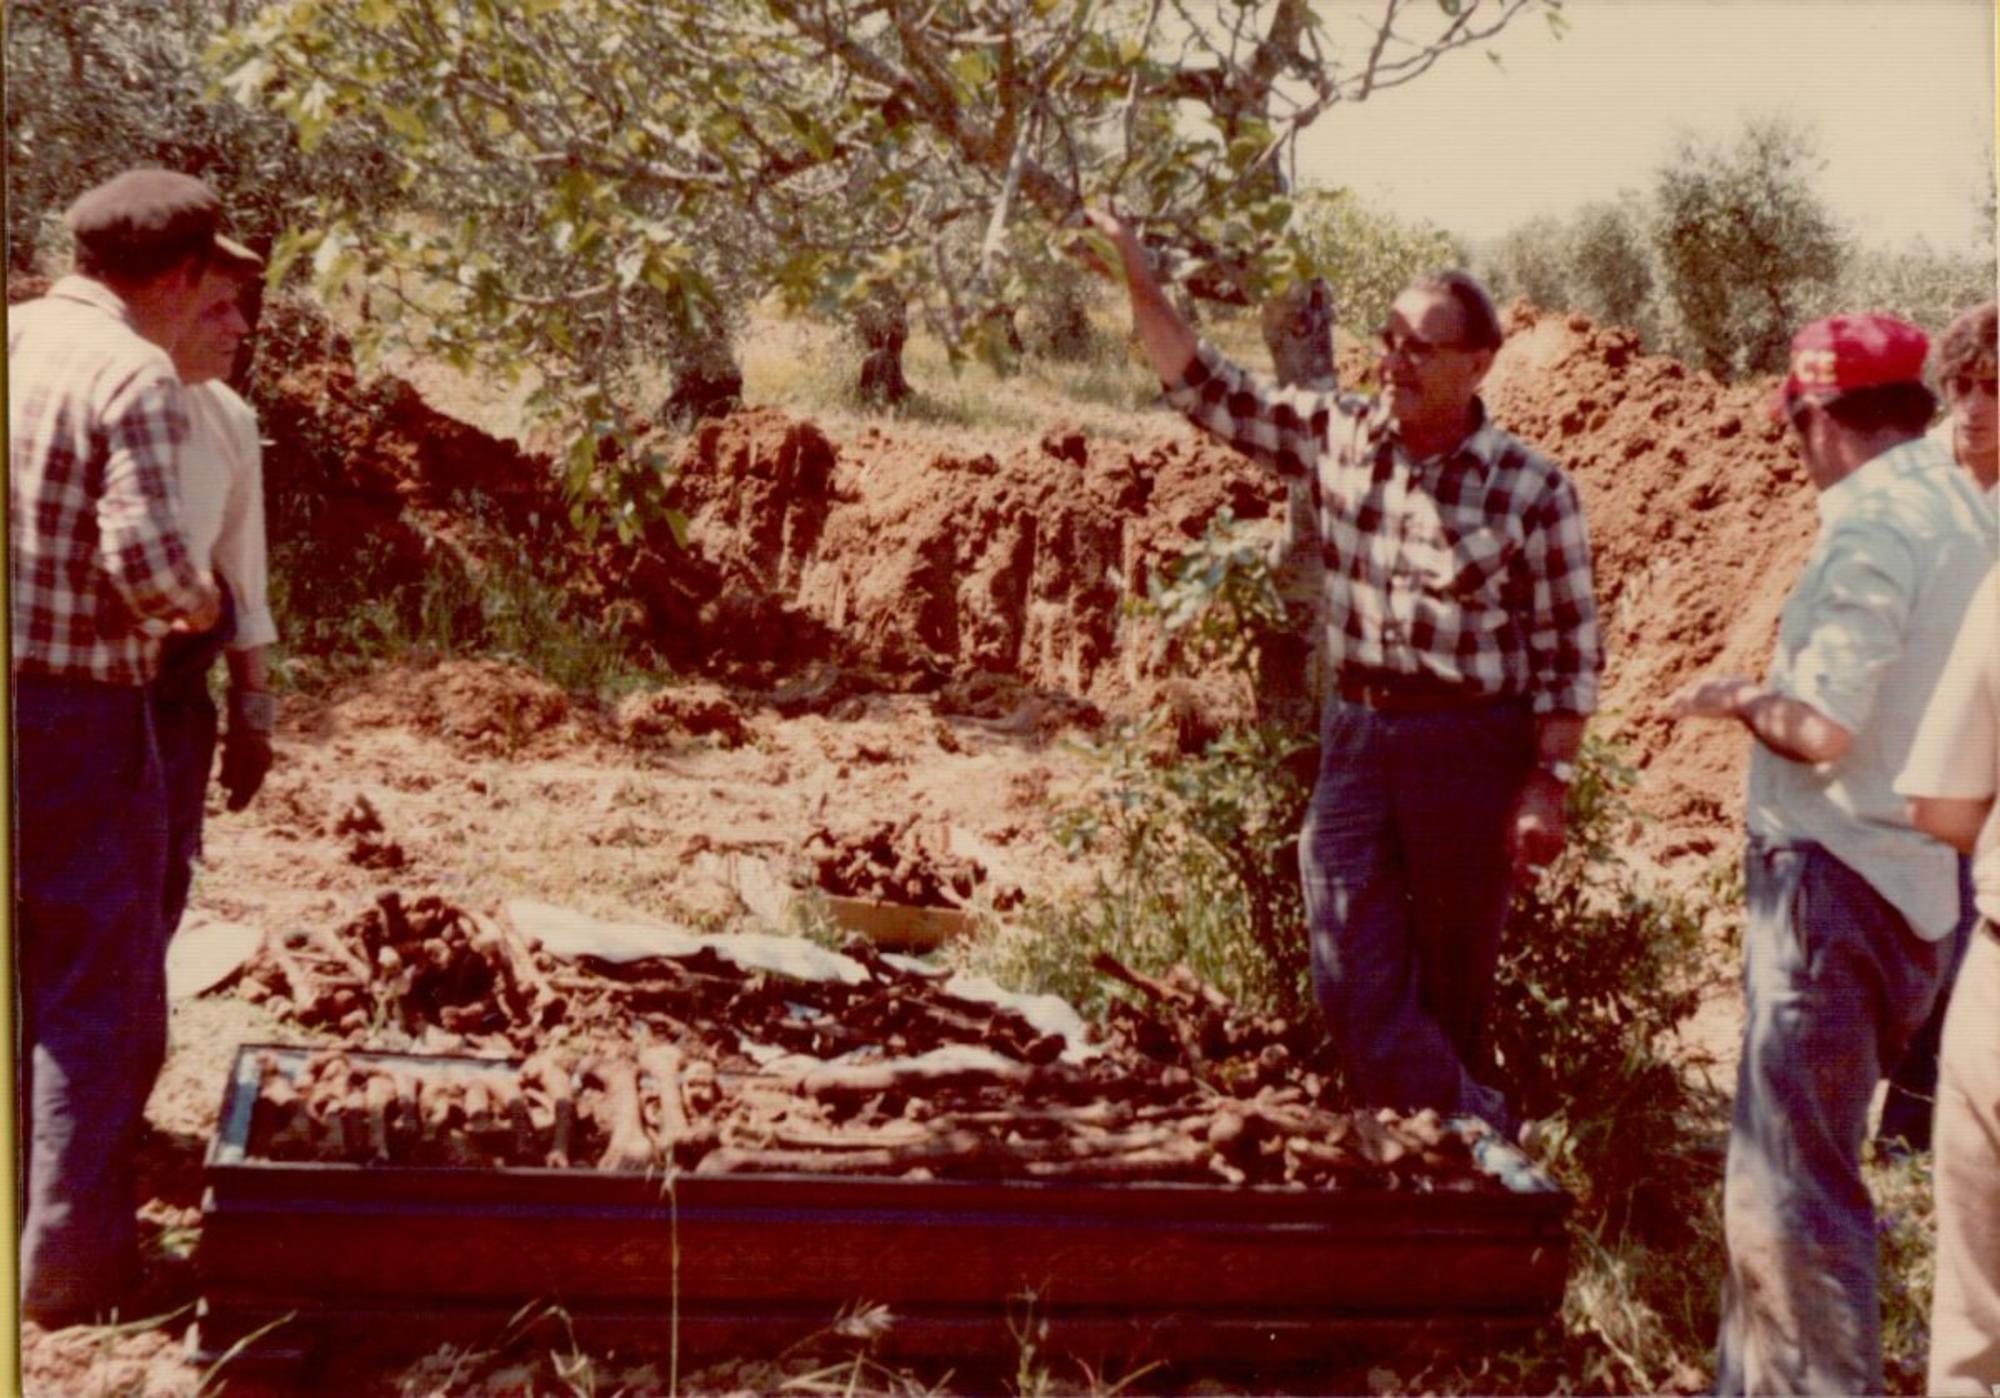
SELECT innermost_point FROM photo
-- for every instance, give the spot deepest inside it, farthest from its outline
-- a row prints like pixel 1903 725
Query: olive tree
pixel 1746 245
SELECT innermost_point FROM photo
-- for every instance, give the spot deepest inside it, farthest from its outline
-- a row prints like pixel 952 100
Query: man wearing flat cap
pixel 100 574
pixel 1850 906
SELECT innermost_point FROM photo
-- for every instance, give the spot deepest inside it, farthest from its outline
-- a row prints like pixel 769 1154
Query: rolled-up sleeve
pixel 1284 428
pixel 1855 630
pixel 1565 647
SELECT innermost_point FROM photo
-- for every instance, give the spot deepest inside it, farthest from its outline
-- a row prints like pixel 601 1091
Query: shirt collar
pixel 92 292
pixel 1839 499
pixel 1479 448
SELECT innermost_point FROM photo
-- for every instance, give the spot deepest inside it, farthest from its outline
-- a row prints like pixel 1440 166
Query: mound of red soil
pixel 916 558
pixel 1700 517
pixel 485 707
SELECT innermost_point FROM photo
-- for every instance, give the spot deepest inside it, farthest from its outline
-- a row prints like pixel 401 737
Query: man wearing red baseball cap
pixel 1850 906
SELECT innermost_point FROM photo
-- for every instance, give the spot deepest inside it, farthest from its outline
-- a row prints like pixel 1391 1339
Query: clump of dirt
pixel 1007 704
pixel 815 571
pixel 481 707
pixel 661 717
pixel 891 861
pixel 368 844
pixel 909 558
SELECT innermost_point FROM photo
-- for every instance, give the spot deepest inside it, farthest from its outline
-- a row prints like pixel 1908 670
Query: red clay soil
pixel 1700 518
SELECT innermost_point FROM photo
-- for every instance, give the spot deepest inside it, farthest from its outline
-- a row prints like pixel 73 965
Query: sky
pixel 1899 93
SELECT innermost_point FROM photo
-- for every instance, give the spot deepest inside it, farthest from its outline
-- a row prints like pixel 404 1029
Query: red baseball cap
pixel 1843 353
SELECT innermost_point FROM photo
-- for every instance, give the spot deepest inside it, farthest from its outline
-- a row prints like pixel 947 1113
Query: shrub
pixel 1610 266
pixel 1528 262
pixel 1368 256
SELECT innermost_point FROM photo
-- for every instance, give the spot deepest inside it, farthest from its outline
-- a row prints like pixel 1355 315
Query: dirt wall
pixel 927 562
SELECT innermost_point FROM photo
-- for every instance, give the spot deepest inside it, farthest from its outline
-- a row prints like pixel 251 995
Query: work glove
pixel 246 746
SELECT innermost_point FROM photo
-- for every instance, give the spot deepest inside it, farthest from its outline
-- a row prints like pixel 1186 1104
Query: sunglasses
pixel 1411 348
pixel 1962 385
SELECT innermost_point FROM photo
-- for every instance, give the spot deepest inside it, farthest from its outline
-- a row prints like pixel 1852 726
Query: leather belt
pixel 1407 694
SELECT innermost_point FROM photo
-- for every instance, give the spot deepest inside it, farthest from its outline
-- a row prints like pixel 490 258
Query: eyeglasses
pixel 1962 385
pixel 1411 348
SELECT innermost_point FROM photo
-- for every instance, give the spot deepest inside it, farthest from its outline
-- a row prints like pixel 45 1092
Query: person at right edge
pixel 1965 362
pixel 1462 660
pixel 1850 907
pixel 1950 781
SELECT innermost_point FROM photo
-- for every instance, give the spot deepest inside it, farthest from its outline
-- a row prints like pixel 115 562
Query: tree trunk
pixel 882 324
pixel 707 382
pixel 1298 330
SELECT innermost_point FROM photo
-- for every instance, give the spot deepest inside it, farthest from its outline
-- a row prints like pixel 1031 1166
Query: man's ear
pixel 1482 365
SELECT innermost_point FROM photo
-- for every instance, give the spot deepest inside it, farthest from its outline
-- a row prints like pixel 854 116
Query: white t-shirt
pixel 222 504
pixel 1956 754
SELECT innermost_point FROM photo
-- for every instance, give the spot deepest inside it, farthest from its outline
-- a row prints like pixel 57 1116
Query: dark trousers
pixel 185 720
pixel 90 847
pixel 1911 1103
pixel 1407 876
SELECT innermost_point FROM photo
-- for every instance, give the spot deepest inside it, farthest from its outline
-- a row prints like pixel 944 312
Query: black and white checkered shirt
pixel 95 419
pixel 1469 568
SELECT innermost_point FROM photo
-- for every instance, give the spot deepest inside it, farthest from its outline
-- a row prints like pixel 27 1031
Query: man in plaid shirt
pixel 99 573
pixel 1463 657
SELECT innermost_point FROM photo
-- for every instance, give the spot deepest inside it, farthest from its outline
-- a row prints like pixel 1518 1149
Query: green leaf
pixel 677 523
pixel 405 121
pixel 975 68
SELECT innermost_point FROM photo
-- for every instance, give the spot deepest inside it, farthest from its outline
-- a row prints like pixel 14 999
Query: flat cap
pixel 143 210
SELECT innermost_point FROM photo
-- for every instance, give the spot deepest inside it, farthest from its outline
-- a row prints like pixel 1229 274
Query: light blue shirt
pixel 1903 544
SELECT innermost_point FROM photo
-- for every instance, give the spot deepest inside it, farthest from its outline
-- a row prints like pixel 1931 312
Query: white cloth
pixel 1956 754
pixel 222 505
pixel 1903 544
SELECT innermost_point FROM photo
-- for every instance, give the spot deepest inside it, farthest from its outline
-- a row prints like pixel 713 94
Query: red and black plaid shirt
pixel 95 419
pixel 1472 567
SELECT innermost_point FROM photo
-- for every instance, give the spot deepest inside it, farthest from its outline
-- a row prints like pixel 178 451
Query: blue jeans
pixel 1835 985
pixel 90 843
pixel 1407 876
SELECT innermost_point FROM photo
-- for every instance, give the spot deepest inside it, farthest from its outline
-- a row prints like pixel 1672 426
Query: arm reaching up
pixel 1166 335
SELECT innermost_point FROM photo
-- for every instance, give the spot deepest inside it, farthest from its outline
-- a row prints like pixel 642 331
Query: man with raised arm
pixel 99 573
pixel 1462 659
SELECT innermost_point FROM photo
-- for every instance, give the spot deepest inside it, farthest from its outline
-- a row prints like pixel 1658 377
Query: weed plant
pixel 368 613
